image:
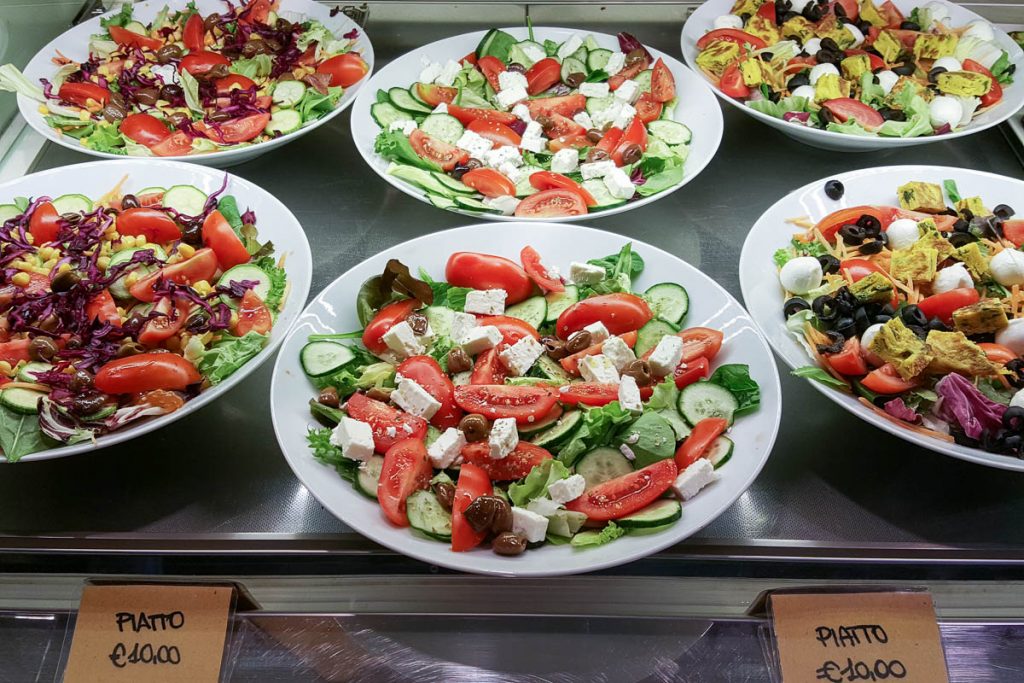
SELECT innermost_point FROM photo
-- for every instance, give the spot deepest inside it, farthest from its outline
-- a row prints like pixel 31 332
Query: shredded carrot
pixel 113 193
pixel 912 427
pixel 801 222
pixel 27 385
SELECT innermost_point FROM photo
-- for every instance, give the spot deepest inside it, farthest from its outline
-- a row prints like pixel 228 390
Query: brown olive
pixel 445 492
pixel 631 153
pixel 192 233
pixel 88 404
pixel 170 92
pixel 168 53
pixel 255 47
pixel 594 135
pixel 112 112
pixel 216 71
pixel 579 341
pixel 574 79
pixel 130 347
pixel 459 361
pixel 50 323
pixel 379 394
pixel 508 543
pixel 597 155
pixel 475 427
pixel 640 370
pixel 329 397
pixel 149 96
pixel 118 99
pixel 283 25
pixel 473 163
pixel 178 119
pixel 130 201
pixel 197 321
pixel 489 513
pixel 273 45
pixel 211 20
pixel 80 381
pixel 218 116
pixel 136 320
pixel 517 68
pixel 42 348
pixel 64 281
pixel 418 322
pixel 635 56
pixel 554 347
pixel 72 218
pixel 545 121
pixel 73 342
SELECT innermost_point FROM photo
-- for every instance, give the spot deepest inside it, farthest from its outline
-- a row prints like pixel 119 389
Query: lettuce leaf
pixel 313 105
pixel 190 86
pixel 1001 69
pixel 586 539
pixel 659 182
pixel 319 441
pixel 106 138
pixel 777 109
pixel 12 80
pixel 19 434
pixel 735 377
pixel 665 396
pixel 536 483
pixel 597 429
pixel 815 373
pixel 395 146
pixel 228 355
pixel 254 67
pixel 278 282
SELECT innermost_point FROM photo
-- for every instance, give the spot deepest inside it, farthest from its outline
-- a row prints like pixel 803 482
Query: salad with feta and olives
pixel 507 404
pixel 856 67
pixel 917 309
pixel 536 129
pixel 188 84
pixel 124 307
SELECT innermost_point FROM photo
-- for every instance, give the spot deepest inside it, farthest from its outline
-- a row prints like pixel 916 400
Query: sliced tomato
pixel 201 62
pixel 572 363
pixel 701 342
pixel 488 369
pixel 549 180
pixel 731 83
pixel 850 361
pixel 610 140
pixel 103 308
pixel 406 469
pixel 386 318
pixel 174 145
pixel 1013 230
pixel 663 83
pixel 146 372
pixel 846 108
pixel 830 224
pixel 628 73
pixel 486 271
pixel 566 105
pixel 535 268
pixel 588 393
pixel 172 319
pixel 253 315
pixel 156 225
pixel 492 68
pixel 144 129
pixel 891 13
pixel 694 371
pixel 434 95
pixel 467 115
pixel 995 91
pixel 943 222
pixel 236 130
pixel 568 142
pixel 647 108
pixel 997 353
pixel 426 372
pixel 473 482
pixel 123 36
pixel 201 266
pixel 512 329
pixel 885 380
pixel 220 236
pixel 232 82
pixel 543 75
pixel 389 425
pixel 559 126
pixel 345 69
pixel 194 34
pixel 943 305
pixel 84 93
pixel 619 312
pixel 468 59
pixel 733 35
pixel 851 8
pixel 440 152
pixel 44 224
pixel 767 11
pixel 515 465
pixel 524 404
pixel 256 11
pixel 498 133
pixel 627 494
pixel 635 134
pixel 15 351
pixel 696 445
pixel 489 183
pixel 551 204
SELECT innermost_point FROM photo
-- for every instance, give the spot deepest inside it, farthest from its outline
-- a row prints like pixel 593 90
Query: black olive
pixel 934 73
pixel 829 57
pixel 938 325
pixel 846 302
pixel 829 264
pixel 834 189
pixel 835 345
pixel 824 308
pixel 950 211
pixel 839 11
pixel 129 201
pixel 1003 211
pixel 80 381
pixel 745 17
pixel 913 315
pixel 986 227
pixel 882 319
pixel 962 439
pixel 962 225
pixel 1013 418
pixel 959 239
pixel 905 69
pixel 862 320
pixel 910 26
pixel 919 330
pixel 890 114
pixel 88 404
pixel 765 56
pixel 517 68
pixel 871 247
pixel 846 327
pixel 852 234
pixel 1013 442
pixel 794 305
pixel 798 80
pixel 192 234
pixel 171 92
pixel 825 117
pixel 830 44
pixel 872 226
pixel 813 12
pixel 864 26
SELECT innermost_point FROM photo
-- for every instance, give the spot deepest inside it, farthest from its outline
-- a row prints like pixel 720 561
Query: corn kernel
pixel 41 270
pixel 44 110
pixel 186 250
pixel 51 264
pixel 64 267
pixel 202 287
pixel 6 368
pixel 234 319
pixel 21 264
pixel 30 238
pixel 21 279
pixel 128 64
pixel 103 262
pixel 83 115
pixel 131 278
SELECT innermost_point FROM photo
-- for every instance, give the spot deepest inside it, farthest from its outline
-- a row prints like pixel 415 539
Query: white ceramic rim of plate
pixel 365 129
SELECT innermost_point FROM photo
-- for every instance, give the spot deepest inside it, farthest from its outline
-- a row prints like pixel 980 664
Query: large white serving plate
pixel 74 42
pixel 764 297
pixel 274 222
pixel 696 109
pixel 710 305
pixel 700 22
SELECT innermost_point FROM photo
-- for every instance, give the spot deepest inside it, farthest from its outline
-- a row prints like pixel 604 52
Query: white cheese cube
pixel 475 144
pixel 503 439
pixel 625 116
pixel 565 160
pixel 598 332
pixel 460 379
pixel 597 169
pixel 615 63
pixel 607 116
pixel 505 204
pixel 533 138
pixel 619 185
pixel 511 79
pixel 427 338
pixel 666 355
pixel 486 301
pixel 448 73
pixel 628 92
pixel 441 108
pixel 565 490
pixel 479 339
pixel 414 399
pixel 530 525
pixel 447 449
pixel 694 478
pixel 618 352
pixel 570 46
pixel 461 325
pixel 430 72
pixel 583 118
pixel 534 129
pixel 522 112
pixel 585 273
pixel 629 395
pixel 506 154
pixel 407 127
pixel 543 506
pixel 354 438
pixel 533 53
pixel 510 97
pixel 521 356
pixel 598 369
pixel 402 340
pixel 594 89
pixel 512 172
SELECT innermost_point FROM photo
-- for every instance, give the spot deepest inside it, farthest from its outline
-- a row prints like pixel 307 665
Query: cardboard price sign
pixel 155 633
pixel 851 637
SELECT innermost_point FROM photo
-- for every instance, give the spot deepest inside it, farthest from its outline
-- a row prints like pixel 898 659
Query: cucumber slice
pixel 559 432
pixel 9 211
pixel 658 514
pixel 676 422
pixel 570 66
pixel 414 92
pixel 443 127
pixel 590 43
pixel 441 202
pixel 150 190
pixel 23 401
pixel 453 184
pixel 385 113
pixel 669 301
pixel 597 104
pixel 28 371
pixel 670 132
pixel 559 301
pixel 521 51
pixel 643 81
pixel 720 451
pixel 470 204
pixel 185 199
pixel 401 98
pixel 598 59
pixel 246 271
pixel 565 523
pixel 651 333
pixel 118 288
pixel 704 399
pixel 581 55
pixel 495 43
pixel 440 320
pixel 72 203
pixel 369 475
pixel 136 27
pixel 427 516
pixel 552 369
pixel 534 427
pixel 288 93
pixel 523 187
pixel 533 310
pixel 283 121
pixel 322 358
pixel 601 465
pixel 599 191
pixel 421 178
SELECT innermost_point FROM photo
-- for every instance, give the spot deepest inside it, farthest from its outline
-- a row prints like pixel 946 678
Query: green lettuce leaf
pixel 659 182
pixel 815 373
pixel 951 190
pixel 1001 69
pixel 313 105
pixel 106 138
pixel 585 539
pixel 665 396
pixel 736 378
pixel 536 483
pixel 395 146
pixel 778 109
pixel 122 18
pixel 254 67
pixel 319 441
pixel 225 357
pixel 190 86
pixel 278 282
pixel 851 127
pixel 19 435
pixel 597 429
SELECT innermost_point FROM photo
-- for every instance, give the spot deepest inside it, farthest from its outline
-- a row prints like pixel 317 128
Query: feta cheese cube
pixel 511 79
pixel 615 63
pixel 441 108
pixel 414 399
pixel 629 395
pixel 486 301
pixel 461 325
pixel 427 338
pixel 565 160
pixel 570 46
pixel 619 185
pixel 447 449
pixel 479 339
pixel 585 273
pixel 512 172
pixel 618 352
pixel 503 439
pixel 530 525
pixel 407 127
pixel 522 112
pixel 448 73
pixel 430 72
pixel 607 116
pixel 598 332
pixel 460 379
pixel 534 53
pixel 599 369
pixel 510 97
pixel 505 204
pixel 533 137
pixel 694 478
pixel 583 118
pixel 565 490
pixel 625 116
pixel 666 355
pixel 597 169
pixel 543 506
pixel 594 89
pixel 521 356
pixel 506 154
pixel 354 438
pixel 475 144
pixel 402 340
pixel 534 129
pixel 628 92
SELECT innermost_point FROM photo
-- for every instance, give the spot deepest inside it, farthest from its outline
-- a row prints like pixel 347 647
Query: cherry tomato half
pixel 146 372
pixel 619 312
pixel 515 465
pixel 489 183
pixel 440 152
pixel 253 315
pixel 144 129
pixel 426 372
pixel 386 318
pixel 345 70
pixel 523 403
pixel 406 469
pixel 552 204
pixel 486 271
pixel 625 495
pixel 156 225
pixel 201 266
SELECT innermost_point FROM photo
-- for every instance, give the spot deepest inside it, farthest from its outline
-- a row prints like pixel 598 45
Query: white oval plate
pixel 710 305
pixel 74 42
pixel 274 221
pixel 764 297
pixel 696 109
pixel 700 22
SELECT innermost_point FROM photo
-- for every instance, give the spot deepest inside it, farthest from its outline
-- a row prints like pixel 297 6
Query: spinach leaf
pixel 818 375
pixel 736 378
pixel 19 434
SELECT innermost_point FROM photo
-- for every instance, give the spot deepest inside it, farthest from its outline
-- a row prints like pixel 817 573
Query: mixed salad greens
pixel 916 309
pixel 124 307
pixel 506 403
pixel 187 84
pixel 855 67
pixel 536 128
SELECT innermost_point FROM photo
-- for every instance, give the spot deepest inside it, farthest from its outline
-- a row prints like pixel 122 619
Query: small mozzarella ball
pixel 902 233
pixel 728 21
pixel 979 29
pixel 1012 336
pixel 954 277
pixel 812 46
pixel 799 5
pixel 819 70
pixel 948 63
pixel 858 37
pixel 801 275
pixel 939 13
pixel 945 110
pixel 865 342
pixel 1018 400
pixel 804 91
pixel 1008 268
pixel 887 79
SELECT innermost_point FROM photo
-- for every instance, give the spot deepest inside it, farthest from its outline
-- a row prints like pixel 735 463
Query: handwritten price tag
pixel 852 637
pixel 155 633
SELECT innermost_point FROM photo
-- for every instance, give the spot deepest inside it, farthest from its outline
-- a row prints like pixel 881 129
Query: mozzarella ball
pixel 902 233
pixel 819 70
pixel 801 275
pixel 887 79
pixel 799 5
pixel 945 110
pixel 858 37
pixel 728 21
pixel 1008 267
pixel 979 29
pixel 804 91
pixel 1012 336
pixel 812 46
pixel 1018 400
pixel 865 342
pixel 953 277
pixel 948 63
pixel 939 12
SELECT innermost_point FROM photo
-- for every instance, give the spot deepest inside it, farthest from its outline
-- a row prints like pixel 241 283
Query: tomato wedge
pixel 123 36
pixel 694 371
pixel 406 469
pixel 345 70
pixel 220 236
pixel 174 145
pixel 201 266
pixel 627 494
pixel 486 271
pixel 434 95
pixel 489 183
pixel 524 404
pixel 146 372
pixel 731 82
pixel 701 342
pixel 733 35
pixel 619 312
pixel 440 152
pixel 488 369
pixel 846 108
pixel 566 105
pixel 647 108
pixel 386 318
pixel 628 73
pixel 498 133
pixel 467 115
pixel 549 180
pixel 995 91
pixel 1013 230
pixel 236 130
pixel 559 126
pixel 492 68
pixel 538 272
pixel 593 393
pixel 997 353
pixel 885 380
pixel 232 82
pixel 850 361
pixel 153 223
pixel 552 204
pixel 83 94
pixel 943 305
pixel 44 224
pixel 194 34
pixel 253 315
pixel 542 75
pixel 568 142
pixel 663 83
pixel 572 363
pixel 515 465
pixel 389 425
pixel 473 482
pixel 15 351
pixel 699 441
pixel 144 129
pixel 201 62
pixel 426 372
pixel 163 327
pixel 103 308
